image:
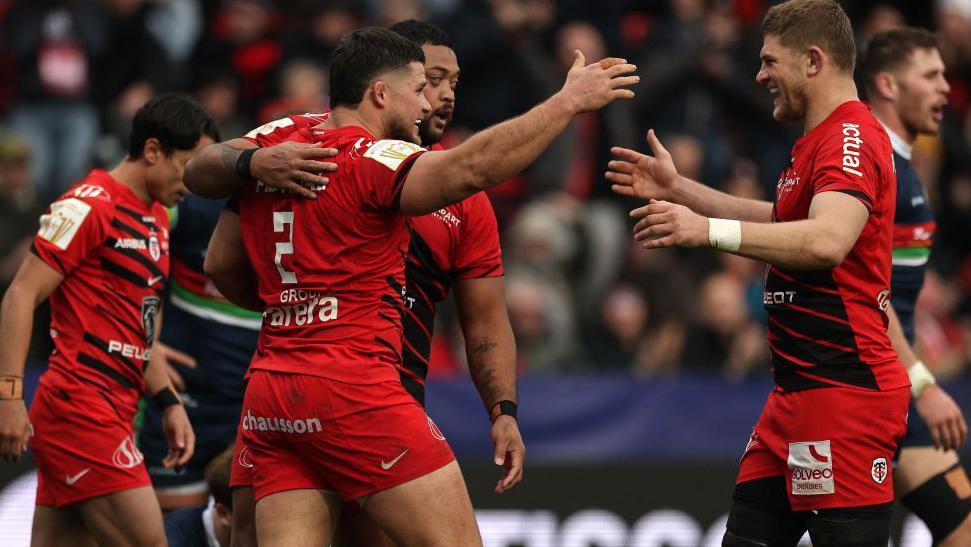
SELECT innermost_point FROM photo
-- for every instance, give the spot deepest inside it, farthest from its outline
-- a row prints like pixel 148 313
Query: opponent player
pixel 378 447
pixel 457 246
pixel 207 370
pixel 819 458
pixel 904 77
pixel 102 256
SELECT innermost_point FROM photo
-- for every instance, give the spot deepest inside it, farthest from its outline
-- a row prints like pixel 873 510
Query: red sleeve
pixel 70 231
pixel 847 162
pixel 479 254
pixel 385 167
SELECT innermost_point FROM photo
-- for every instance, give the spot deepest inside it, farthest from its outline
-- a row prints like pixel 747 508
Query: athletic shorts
pixel 82 447
pixel 300 431
pixel 834 446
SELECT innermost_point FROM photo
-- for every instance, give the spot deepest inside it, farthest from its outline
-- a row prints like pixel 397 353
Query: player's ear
pixel 886 86
pixel 379 92
pixel 152 151
pixel 815 61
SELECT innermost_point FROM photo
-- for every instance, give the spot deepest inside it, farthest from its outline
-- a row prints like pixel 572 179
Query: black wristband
pixel 243 161
pixel 166 398
pixel 503 408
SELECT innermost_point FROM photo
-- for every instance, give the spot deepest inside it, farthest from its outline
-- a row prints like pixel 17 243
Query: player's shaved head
pixel 799 24
pixel 362 56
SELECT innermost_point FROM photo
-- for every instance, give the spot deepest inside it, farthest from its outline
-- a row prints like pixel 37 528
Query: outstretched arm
pixel 217 172
pixel 500 152
pixel 821 241
pixel 655 177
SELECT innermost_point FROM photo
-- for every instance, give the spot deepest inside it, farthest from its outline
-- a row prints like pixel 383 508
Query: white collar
pixel 898 144
pixel 207 523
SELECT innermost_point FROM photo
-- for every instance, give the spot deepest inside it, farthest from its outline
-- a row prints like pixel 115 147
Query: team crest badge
pixel 150 307
pixel 879 470
pixel 153 247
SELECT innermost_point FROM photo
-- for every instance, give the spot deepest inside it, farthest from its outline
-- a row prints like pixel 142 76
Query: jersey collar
pixel 899 145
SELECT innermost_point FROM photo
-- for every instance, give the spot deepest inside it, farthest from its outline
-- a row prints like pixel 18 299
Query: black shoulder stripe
pixel 57 261
pixel 399 180
pixel 103 346
pixel 136 256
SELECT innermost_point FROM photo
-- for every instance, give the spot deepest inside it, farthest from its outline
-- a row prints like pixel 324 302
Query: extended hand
pixel 293 166
pixel 591 87
pixel 639 175
pixel 180 437
pixel 664 224
pixel 943 417
pixel 15 429
pixel 510 451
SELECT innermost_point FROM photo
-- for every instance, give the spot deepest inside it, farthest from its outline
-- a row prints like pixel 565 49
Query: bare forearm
pixel 242 289
pixel 710 202
pixel 16 324
pixel 800 245
pixel 492 365
pixel 212 172
pixel 900 344
pixel 155 378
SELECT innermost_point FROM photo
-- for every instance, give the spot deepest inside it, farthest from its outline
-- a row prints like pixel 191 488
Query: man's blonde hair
pixel 800 24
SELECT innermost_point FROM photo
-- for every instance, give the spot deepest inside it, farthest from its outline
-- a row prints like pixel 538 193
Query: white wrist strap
pixel 724 234
pixel 920 378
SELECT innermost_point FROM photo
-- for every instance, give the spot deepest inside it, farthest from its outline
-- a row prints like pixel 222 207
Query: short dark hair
pixel 217 476
pixel 891 49
pixel 800 24
pixel 176 120
pixel 422 33
pixel 361 56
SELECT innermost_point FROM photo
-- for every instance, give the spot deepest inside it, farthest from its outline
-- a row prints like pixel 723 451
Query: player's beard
pixel 428 132
pixel 792 103
pixel 404 130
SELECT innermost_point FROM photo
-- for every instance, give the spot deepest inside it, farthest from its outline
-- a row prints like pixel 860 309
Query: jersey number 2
pixel 283 222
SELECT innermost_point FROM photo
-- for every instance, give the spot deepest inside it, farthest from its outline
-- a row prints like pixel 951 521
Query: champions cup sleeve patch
pixel 811 468
pixel 62 223
pixel 391 153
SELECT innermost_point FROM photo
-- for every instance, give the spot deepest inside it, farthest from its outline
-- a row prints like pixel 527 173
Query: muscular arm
pixel 489 342
pixel 498 153
pixel 715 203
pixel 821 241
pixel 34 282
pixel 291 166
pixel 228 265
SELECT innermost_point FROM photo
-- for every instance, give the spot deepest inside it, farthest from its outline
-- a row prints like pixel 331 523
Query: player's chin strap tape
pixel 11 388
pixel 243 163
pixel 166 398
pixel 503 408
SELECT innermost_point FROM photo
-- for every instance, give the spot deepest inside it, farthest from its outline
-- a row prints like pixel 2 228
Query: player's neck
pixel 132 174
pixel 343 116
pixel 886 112
pixel 828 98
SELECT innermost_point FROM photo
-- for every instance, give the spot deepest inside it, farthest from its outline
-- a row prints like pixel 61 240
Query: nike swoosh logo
pixel 71 480
pixel 154 280
pixel 389 465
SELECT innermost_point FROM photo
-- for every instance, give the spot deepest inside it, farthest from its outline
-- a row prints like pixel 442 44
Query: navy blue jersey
pixel 913 234
pixel 186 528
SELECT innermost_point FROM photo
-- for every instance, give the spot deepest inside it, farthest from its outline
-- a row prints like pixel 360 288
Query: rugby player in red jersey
pixel 819 458
pixel 326 416
pixel 458 247
pixel 904 76
pixel 102 257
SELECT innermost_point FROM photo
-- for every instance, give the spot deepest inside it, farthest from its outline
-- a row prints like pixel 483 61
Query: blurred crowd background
pixel 581 295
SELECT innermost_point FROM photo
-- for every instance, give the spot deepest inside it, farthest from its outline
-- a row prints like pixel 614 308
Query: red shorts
pixel 83 448
pixel 834 446
pixel 300 431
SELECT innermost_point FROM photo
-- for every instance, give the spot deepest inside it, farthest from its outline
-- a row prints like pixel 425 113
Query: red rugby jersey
pixel 331 270
pixel 113 251
pixel 829 327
